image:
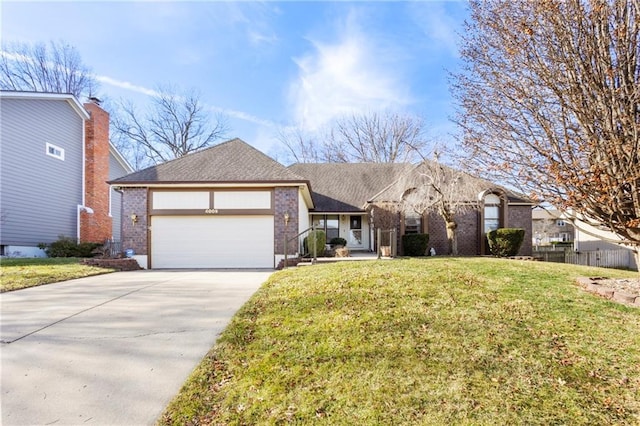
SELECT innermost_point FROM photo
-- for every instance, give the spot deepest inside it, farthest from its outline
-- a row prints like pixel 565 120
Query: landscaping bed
pixel 622 290
pixel 124 264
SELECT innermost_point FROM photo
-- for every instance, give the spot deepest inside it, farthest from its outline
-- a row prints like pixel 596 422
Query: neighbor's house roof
pixel 346 187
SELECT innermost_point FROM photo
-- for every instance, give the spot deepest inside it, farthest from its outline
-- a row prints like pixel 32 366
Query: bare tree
pixel 174 126
pixel 377 138
pixel 387 137
pixel 56 68
pixel 448 192
pixel 550 101
pixel 301 147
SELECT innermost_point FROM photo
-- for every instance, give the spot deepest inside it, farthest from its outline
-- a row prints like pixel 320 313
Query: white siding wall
pixel 180 200
pixel 242 200
pixel 303 213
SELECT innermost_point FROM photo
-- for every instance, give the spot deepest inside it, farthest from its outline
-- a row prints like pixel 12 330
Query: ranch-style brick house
pixel 230 206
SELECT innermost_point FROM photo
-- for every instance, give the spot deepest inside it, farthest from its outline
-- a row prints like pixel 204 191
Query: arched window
pixel 493 215
pixel 492 212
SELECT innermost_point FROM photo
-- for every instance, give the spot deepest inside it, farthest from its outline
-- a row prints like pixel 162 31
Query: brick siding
pixel 134 235
pixel 467 234
pixel 520 217
pixel 286 201
pixel 96 227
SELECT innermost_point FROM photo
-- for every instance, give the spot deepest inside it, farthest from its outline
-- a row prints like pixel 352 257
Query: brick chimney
pixel 96 227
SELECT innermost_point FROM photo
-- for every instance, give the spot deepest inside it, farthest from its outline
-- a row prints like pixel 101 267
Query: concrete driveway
pixel 111 349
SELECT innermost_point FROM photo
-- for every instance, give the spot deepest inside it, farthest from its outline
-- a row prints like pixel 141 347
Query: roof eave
pixel 68 97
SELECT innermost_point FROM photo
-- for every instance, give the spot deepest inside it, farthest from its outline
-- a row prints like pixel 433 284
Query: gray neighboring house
pixel 550 226
pixel 231 206
pixel 56 160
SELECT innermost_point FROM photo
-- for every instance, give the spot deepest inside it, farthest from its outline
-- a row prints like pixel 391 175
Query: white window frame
pixel 59 154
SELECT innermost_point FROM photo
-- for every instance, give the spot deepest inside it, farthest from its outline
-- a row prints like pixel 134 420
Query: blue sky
pixel 264 64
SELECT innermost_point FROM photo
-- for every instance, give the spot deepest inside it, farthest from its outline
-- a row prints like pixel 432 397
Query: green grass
pixel 16 274
pixel 431 341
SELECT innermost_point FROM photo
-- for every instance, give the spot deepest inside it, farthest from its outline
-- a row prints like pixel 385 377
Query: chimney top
pixel 95 100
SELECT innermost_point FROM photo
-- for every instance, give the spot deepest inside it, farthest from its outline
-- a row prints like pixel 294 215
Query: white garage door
pixel 212 242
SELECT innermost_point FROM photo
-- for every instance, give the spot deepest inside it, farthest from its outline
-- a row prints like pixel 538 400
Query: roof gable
pixel 394 192
pixel 346 187
pixel 231 161
pixel 46 96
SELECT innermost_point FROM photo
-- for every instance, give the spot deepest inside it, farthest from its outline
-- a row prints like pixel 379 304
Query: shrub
pixel 505 242
pixel 68 247
pixel 338 241
pixel 315 238
pixel 415 244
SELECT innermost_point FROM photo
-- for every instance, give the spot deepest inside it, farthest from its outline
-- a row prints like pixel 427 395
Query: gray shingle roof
pixel 412 178
pixel 231 161
pixel 346 187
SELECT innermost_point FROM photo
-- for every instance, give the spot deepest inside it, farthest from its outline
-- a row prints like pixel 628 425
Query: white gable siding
pixel 180 200
pixel 40 193
pixel 242 200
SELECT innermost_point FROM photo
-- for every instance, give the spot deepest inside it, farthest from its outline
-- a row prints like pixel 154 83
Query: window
pixel 412 223
pixel 491 213
pixel 560 222
pixel 55 151
pixel 355 231
pixel 330 224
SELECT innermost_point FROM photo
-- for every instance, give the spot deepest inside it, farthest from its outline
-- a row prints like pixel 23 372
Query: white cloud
pixel 355 73
pixel 439 24
pixel 241 115
pixel 126 85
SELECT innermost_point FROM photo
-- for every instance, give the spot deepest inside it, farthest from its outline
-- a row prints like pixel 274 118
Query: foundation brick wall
pixel 520 217
pixel 286 201
pixel 96 227
pixel 134 235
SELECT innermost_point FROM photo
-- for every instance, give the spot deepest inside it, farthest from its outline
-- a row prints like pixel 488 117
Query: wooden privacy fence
pixel 601 258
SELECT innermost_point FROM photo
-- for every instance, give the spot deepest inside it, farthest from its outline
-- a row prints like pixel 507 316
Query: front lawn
pixel 17 273
pixel 430 341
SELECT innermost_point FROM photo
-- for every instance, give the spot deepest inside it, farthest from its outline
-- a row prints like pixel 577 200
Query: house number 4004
pixel 211 211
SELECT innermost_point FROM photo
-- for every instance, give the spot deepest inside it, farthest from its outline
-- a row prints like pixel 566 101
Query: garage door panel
pixel 212 241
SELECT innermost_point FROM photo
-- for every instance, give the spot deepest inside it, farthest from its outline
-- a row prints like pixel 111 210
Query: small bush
pixel 505 242
pixel 415 244
pixel 338 241
pixel 315 238
pixel 68 247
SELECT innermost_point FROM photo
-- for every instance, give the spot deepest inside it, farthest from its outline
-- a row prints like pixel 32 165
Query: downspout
pixel 82 207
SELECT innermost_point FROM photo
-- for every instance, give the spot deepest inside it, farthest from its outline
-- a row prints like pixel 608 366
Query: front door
pixel 355 232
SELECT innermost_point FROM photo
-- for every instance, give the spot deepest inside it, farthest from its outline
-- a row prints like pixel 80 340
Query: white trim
pixel 119 158
pixel 84 165
pixel 71 100
pixel 49 146
pixel 306 192
pixel 111 189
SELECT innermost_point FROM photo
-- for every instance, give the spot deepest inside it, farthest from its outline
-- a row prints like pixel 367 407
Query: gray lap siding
pixel 40 193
